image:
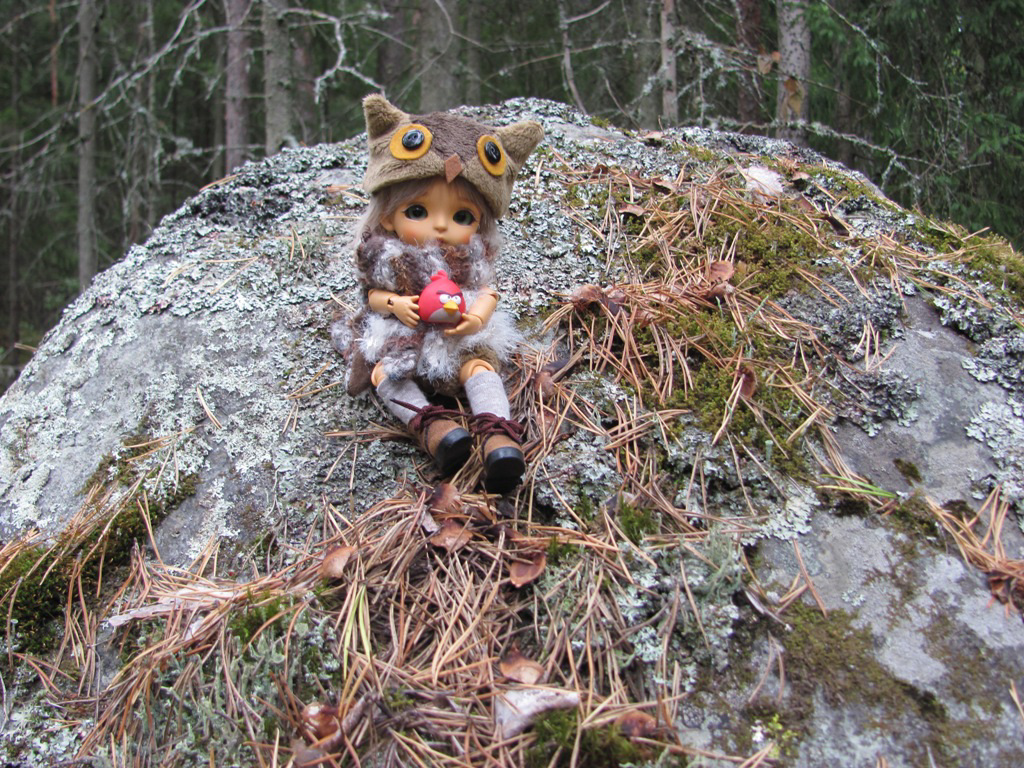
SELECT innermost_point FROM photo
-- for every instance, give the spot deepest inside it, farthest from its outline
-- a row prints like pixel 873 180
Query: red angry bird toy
pixel 441 301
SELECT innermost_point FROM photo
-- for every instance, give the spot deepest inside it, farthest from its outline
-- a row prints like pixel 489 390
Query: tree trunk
pixel 12 179
pixel 236 87
pixel 305 116
pixel 473 14
pixel 568 76
pixel 641 63
pixel 794 70
pixel 277 78
pixel 748 35
pixel 439 71
pixel 392 55
pixel 86 230
pixel 144 184
pixel 669 93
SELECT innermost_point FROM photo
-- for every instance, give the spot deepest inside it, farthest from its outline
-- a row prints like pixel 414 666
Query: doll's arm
pixel 478 315
pixel 405 308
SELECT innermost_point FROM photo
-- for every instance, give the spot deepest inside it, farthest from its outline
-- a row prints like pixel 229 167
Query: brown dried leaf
pixel 452 536
pixel 586 296
pixel 631 209
pixel 333 566
pixel 653 138
pixel 719 291
pixel 311 757
pixel 320 721
pixel 524 571
pixel 634 723
pixel 517 667
pixel 515 710
pixel 615 300
pixel 445 499
pixel 838 225
pixel 794 96
pixel 545 385
pixel 720 270
pixel 764 63
pixel 805 205
pixel 719 273
pixel 556 366
pixel 748 381
pixel 665 184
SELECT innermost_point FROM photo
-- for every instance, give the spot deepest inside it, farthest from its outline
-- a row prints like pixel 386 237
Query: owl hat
pixel 410 147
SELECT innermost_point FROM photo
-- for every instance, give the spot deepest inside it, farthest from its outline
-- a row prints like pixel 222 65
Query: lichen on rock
pixel 691 536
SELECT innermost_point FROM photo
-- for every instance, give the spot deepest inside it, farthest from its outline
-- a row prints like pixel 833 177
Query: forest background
pixel 113 113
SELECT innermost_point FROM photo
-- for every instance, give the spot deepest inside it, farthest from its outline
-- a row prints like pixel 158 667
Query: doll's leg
pixel 504 463
pixel 447 443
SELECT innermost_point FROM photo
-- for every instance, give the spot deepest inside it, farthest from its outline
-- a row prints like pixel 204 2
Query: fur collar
pixel 388 263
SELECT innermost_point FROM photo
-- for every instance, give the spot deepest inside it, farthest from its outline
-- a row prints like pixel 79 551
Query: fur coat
pixel 424 352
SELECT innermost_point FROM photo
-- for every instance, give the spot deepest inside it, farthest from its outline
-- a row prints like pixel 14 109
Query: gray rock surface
pixel 210 345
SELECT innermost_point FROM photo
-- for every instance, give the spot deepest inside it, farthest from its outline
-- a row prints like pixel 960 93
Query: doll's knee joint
pixel 473 367
pixel 377 375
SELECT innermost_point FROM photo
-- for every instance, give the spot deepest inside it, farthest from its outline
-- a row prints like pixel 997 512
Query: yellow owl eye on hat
pixel 409 147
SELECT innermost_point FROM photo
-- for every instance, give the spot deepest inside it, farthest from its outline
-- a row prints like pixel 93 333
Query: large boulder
pixel 776 431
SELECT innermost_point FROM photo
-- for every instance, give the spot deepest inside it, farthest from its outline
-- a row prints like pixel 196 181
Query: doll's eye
pixel 491 154
pixel 415 212
pixel 464 218
pixel 410 142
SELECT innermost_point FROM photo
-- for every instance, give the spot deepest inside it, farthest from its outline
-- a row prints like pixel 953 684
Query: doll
pixel 428 241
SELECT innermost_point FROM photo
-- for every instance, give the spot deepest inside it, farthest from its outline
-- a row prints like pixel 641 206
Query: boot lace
pixel 492 424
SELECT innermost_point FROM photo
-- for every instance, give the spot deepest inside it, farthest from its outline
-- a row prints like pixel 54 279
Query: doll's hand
pixel 406 309
pixel 470 323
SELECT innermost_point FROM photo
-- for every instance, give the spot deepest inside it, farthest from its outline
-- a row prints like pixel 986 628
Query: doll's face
pixel 440 212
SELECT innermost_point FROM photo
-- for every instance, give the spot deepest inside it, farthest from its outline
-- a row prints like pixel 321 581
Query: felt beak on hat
pixel 452 168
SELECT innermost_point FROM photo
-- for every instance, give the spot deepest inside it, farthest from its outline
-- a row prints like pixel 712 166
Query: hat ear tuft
pixel 381 115
pixel 520 139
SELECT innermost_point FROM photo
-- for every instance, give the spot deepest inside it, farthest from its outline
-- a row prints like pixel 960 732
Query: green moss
pixel 584 508
pixel 842 183
pixel 118 466
pixel 994 261
pixel 561 552
pixel 908 469
pixel 556 732
pixel 34 598
pixel 34 586
pixel 699 154
pixel 832 655
pixel 636 521
pixel 770 725
pixel 914 517
pixel 772 248
pixel 260 610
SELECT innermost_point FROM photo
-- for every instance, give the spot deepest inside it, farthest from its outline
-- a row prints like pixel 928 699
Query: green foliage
pixel 557 731
pixel 37 583
pixel 636 521
pixel 934 86
pixel 33 599
pixel 261 613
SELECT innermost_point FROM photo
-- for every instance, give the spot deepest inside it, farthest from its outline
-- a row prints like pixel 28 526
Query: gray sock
pixel 486 394
pixel 403 390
